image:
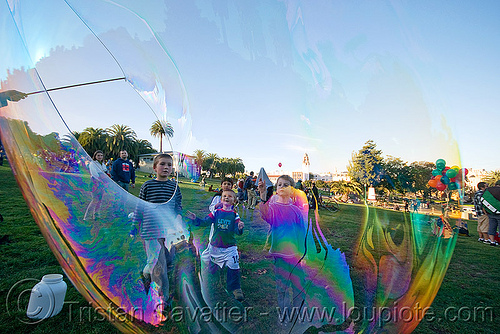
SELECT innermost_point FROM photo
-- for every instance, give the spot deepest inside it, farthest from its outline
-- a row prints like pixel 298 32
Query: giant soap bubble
pixel 288 72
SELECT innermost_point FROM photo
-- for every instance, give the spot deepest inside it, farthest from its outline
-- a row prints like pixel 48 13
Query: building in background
pixel 184 164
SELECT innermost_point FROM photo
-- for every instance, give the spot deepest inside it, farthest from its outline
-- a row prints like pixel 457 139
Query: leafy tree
pixel 93 139
pixel 121 137
pixel 421 173
pixel 366 165
pixel 211 163
pixel 235 165
pixel 491 177
pixel 397 175
pixel 161 129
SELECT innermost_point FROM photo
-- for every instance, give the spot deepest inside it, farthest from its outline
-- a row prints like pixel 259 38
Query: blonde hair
pixel 161 156
pixel 232 193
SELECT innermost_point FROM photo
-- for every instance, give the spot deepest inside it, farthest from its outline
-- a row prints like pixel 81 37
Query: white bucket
pixel 47 297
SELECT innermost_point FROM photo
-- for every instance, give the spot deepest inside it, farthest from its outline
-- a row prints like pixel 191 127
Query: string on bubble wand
pixel 75 85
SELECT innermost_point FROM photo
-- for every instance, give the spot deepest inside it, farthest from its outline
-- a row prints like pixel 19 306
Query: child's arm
pixel 200 222
pixel 238 225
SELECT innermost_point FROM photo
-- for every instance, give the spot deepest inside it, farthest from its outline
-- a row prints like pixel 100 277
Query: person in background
pixel 491 204
pixel 122 171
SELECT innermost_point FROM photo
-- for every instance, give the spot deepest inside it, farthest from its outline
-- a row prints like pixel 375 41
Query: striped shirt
pixel 163 203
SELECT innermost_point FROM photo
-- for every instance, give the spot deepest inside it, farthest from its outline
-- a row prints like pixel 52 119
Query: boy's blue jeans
pixel 233 276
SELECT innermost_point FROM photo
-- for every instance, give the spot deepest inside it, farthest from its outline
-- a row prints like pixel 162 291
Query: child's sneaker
pixel 238 294
pixel 480 240
pixel 486 241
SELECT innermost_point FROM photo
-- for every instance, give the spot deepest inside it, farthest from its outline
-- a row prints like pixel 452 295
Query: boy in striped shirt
pixel 157 222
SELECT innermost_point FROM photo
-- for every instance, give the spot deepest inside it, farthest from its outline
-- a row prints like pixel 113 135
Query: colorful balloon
pixel 445 179
pixel 440 164
pixel 432 183
pixel 451 173
pixel 436 172
pixel 440 186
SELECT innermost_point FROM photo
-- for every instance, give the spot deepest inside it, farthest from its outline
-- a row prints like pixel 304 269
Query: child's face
pixel 283 188
pixel 99 156
pixel 226 185
pixel 163 168
pixel 227 198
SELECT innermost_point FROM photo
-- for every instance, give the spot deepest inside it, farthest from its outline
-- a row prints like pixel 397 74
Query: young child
pixel 288 237
pixel 225 184
pixel 155 222
pixel 222 249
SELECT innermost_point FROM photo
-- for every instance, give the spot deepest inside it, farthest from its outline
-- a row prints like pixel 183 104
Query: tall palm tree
pixel 160 129
pixel 93 139
pixel 121 137
pixel 199 157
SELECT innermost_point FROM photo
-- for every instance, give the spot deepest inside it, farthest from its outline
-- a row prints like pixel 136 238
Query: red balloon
pixel 440 186
pixel 466 171
pixel 279 165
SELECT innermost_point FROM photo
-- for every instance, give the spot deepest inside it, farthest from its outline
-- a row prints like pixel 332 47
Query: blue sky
pixel 268 81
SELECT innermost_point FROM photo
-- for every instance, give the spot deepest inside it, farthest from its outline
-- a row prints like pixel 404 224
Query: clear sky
pixel 268 81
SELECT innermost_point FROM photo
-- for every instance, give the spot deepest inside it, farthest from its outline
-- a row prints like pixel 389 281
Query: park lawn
pixel 471 280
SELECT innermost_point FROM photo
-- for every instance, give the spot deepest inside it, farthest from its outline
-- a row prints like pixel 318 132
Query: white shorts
pixel 222 256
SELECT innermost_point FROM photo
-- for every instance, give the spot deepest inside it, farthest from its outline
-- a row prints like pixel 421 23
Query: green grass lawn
pixel 472 279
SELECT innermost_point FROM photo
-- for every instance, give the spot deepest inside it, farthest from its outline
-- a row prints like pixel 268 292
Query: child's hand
pixel 261 187
pixel 241 225
pixel 190 215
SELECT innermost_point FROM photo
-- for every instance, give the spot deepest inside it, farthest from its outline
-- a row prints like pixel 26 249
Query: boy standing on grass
pixel 155 221
pixel 222 249
pixel 288 237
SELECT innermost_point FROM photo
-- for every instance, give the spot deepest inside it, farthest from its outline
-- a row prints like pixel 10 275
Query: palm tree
pixel 344 188
pixel 93 139
pixel 491 177
pixel 121 137
pixel 160 129
pixel 199 158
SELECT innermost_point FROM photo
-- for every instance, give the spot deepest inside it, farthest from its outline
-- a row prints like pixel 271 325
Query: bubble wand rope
pixel 75 85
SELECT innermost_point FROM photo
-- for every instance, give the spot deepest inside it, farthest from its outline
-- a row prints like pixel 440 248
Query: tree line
pixel 393 176
pixel 214 164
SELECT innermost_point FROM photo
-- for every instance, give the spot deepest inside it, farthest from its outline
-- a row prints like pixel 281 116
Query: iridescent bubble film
pixel 298 74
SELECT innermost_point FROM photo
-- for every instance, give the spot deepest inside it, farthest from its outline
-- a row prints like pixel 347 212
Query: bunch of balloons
pixel 447 177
